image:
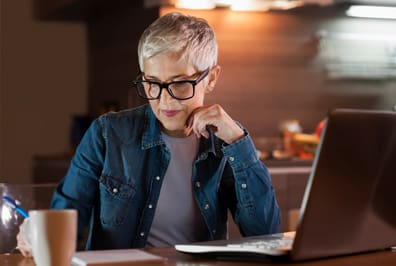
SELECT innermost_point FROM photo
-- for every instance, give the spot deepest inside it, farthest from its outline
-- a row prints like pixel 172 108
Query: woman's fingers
pixel 21 242
pixel 215 119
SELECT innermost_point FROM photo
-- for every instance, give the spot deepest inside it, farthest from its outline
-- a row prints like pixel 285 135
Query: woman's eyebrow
pixel 169 79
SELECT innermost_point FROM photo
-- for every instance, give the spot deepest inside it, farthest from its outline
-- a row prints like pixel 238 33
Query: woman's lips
pixel 170 113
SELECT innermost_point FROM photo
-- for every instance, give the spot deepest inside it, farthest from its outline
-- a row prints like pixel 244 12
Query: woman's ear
pixel 213 75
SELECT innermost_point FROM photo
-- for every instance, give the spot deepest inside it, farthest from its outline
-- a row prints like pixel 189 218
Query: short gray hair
pixel 190 37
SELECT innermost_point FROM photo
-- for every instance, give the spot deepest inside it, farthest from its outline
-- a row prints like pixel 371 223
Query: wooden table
pixel 383 258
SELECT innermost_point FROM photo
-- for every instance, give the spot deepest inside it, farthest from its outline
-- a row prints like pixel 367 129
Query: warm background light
pixel 224 2
pixel 250 5
pixel 284 4
pixel 193 4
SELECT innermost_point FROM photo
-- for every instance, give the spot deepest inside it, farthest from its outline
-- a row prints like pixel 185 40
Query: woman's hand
pixel 216 119
pixel 22 245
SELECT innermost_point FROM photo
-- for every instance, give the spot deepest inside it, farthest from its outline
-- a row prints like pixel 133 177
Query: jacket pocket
pixel 115 199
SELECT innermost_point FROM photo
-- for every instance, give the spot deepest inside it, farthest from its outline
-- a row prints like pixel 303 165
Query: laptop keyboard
pixel 265 244
pixel 273 245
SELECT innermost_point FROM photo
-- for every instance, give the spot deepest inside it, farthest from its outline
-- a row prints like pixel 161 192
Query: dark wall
pixel 113 31
pixel 113 64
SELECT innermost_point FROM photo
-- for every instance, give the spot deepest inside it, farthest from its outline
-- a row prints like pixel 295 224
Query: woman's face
pixel 173 113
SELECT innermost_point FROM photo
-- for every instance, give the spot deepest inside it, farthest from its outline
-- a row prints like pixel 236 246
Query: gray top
pixel 177 218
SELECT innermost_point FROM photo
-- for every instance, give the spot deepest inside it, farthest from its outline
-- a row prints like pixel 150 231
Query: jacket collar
pixel 152 130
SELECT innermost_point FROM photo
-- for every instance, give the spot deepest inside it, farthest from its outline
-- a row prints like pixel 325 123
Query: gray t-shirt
pixel 177 218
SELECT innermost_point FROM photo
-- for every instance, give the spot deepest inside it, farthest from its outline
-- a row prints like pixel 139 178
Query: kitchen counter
pixel 293 162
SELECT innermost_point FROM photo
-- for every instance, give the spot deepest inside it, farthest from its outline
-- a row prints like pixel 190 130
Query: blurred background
pixel 64 62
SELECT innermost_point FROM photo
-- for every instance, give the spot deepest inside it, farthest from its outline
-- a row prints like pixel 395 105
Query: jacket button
pixel 157 178
pixel 244 185
pixel 115 190
pixel 141 234
pixel 198 184
pixel 206 206
pixel 231 158
pixel 150 206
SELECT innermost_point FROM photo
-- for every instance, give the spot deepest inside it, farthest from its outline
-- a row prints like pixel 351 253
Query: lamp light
pixel 382 12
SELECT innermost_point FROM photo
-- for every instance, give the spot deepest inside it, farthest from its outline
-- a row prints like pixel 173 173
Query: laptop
pixel 349 203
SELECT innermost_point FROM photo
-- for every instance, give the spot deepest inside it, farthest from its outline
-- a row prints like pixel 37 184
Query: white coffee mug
pixel 52 236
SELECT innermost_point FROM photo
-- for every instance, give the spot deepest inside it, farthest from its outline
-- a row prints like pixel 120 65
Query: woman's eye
pixel 180 85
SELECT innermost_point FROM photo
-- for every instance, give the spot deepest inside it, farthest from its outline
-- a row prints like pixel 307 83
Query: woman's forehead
pixel 167 66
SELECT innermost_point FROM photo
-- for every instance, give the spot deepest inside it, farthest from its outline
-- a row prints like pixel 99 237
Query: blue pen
pixel 15 206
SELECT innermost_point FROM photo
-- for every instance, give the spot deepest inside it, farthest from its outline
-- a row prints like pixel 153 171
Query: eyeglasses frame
pixel 166 85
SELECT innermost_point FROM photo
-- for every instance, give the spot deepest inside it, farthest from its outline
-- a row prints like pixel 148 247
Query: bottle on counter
pixel 288 129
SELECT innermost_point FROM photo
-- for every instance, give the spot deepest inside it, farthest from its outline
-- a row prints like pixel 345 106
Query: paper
pixel 116 257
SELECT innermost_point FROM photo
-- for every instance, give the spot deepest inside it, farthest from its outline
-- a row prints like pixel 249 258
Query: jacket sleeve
pixel 247 187
pixel 79 188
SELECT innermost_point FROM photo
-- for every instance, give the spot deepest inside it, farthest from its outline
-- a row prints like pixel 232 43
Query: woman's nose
pixel 165 96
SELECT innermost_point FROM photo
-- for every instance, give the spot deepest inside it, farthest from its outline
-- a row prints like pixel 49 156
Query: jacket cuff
pixel 241 154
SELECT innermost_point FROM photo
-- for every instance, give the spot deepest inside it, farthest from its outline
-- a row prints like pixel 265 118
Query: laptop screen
pixel 348 205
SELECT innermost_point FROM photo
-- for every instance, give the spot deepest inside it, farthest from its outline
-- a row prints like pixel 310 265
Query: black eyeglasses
pixel 180 89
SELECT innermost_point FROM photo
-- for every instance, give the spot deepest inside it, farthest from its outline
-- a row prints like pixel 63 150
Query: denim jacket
pixel 115 178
